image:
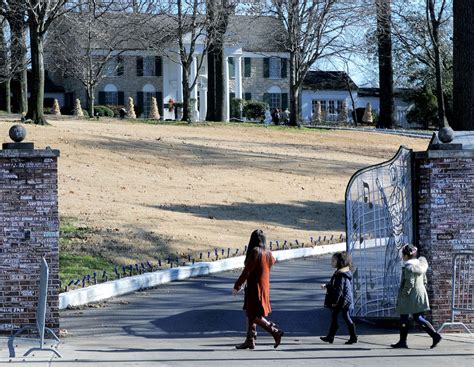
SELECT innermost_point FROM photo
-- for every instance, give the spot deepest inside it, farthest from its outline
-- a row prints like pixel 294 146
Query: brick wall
pixel 445 190
pixel 29 230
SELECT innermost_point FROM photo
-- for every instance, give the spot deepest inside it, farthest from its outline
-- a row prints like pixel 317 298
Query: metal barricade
pixel 379 220
pixel 462 298
pixel 40 326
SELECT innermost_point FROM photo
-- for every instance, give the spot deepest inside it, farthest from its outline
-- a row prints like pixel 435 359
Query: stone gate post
pixel 29 230
pixel 445 217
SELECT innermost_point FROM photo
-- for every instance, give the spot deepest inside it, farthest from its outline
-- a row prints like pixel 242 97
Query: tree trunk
pixel 91 100
pixel 294 92
pixel 463 68
pixel 219 87
pixel 19 50
pixel 8 97
pixel 384 38
pixel 36 112
pixel 186 93
pixel 211 85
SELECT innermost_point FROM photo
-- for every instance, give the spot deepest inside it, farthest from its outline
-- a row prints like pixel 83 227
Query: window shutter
pixel 266 98
pixel 231 68
pixel 158 67
pixel 232 109
pixel 139 66
pixel 266 67
pixel 120 99
pixel 248 96
pixel 159 102
pixel 101 98
pixel 284 68
pixel 119 66
pixel 139 103
pixel 284 101
pixel 247 67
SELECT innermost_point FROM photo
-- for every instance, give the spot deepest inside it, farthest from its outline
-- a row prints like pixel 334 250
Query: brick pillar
pixel 29 230
pixel 445 215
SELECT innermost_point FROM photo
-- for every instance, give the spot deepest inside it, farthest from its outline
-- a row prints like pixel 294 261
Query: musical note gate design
pixel 379 221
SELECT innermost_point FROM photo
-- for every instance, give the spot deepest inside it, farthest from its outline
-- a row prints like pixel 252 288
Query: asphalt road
pixel 197 322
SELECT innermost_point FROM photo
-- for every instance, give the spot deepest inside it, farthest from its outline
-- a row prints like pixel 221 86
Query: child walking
pixel 339 296
pixel 412 296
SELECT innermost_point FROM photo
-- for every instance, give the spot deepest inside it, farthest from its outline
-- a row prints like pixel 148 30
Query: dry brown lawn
pixel 147 190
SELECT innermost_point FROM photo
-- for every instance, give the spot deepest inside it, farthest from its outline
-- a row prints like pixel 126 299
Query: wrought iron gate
pixel 379 220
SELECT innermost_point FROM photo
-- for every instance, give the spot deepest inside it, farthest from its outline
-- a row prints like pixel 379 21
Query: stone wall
pixel 445 190
pixel 29 230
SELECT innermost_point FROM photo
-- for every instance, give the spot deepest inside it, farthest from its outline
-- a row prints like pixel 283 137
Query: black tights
pixel 420 320
pixel 345 315
pixel 418 317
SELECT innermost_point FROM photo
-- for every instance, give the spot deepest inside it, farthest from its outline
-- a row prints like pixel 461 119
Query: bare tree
pixel 313 31
pixel 423 33
pixel 187 27
pixel 14 11
pixel 4 68
pixel 217 17
pixel 41 14
pixel 87 46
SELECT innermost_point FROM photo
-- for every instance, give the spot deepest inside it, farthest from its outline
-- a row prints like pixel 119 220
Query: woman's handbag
pixel 329 298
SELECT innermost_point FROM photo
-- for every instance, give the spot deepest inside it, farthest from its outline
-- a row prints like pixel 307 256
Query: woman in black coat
pixel 339 296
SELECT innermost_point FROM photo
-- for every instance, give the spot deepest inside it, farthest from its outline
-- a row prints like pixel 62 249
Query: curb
pixel 118 287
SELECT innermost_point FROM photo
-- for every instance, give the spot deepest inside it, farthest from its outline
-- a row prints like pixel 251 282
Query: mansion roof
pixel 328 80
pixel 125 31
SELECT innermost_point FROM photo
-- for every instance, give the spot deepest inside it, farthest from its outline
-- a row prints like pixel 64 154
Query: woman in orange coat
pixel 258 262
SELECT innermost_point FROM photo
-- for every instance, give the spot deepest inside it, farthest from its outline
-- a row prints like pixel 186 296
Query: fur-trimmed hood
pixel 416 266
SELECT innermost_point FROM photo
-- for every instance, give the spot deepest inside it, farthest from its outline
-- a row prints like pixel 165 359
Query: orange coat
pixel 257 275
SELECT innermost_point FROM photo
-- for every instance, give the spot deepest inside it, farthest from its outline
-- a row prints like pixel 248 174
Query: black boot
pixel 271 328
pixel 429 329
pixel 352 334
pixel 332 332
pixel 249 342
pixel 402 343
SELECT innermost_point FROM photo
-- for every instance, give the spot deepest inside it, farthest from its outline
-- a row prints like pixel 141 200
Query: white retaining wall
pixel 99 292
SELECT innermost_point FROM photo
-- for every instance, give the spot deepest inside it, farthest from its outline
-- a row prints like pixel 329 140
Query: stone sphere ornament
pixel 17 133
pixel 446 134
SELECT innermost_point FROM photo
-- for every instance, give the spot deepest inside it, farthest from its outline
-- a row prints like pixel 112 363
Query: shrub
pixel 254 110
pixel 115 109
pixel 103 111
pixel 65 110
pixel 235 107
pixel 47 110
pixel 85 113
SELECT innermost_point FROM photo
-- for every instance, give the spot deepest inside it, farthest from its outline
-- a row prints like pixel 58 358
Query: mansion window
pixel 149 66
pixel 274 100
pixel 114 67
pixel 111 98
pixel 332 107
pixel 275 67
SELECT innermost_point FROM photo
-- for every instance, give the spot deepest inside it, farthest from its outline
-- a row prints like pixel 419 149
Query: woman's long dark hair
pixel 257 241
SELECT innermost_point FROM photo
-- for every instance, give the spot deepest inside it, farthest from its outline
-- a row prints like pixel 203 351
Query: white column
pixel 179 91
pixel 238 77
pixel 226 90
pixel 194 91
pixel 203 103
